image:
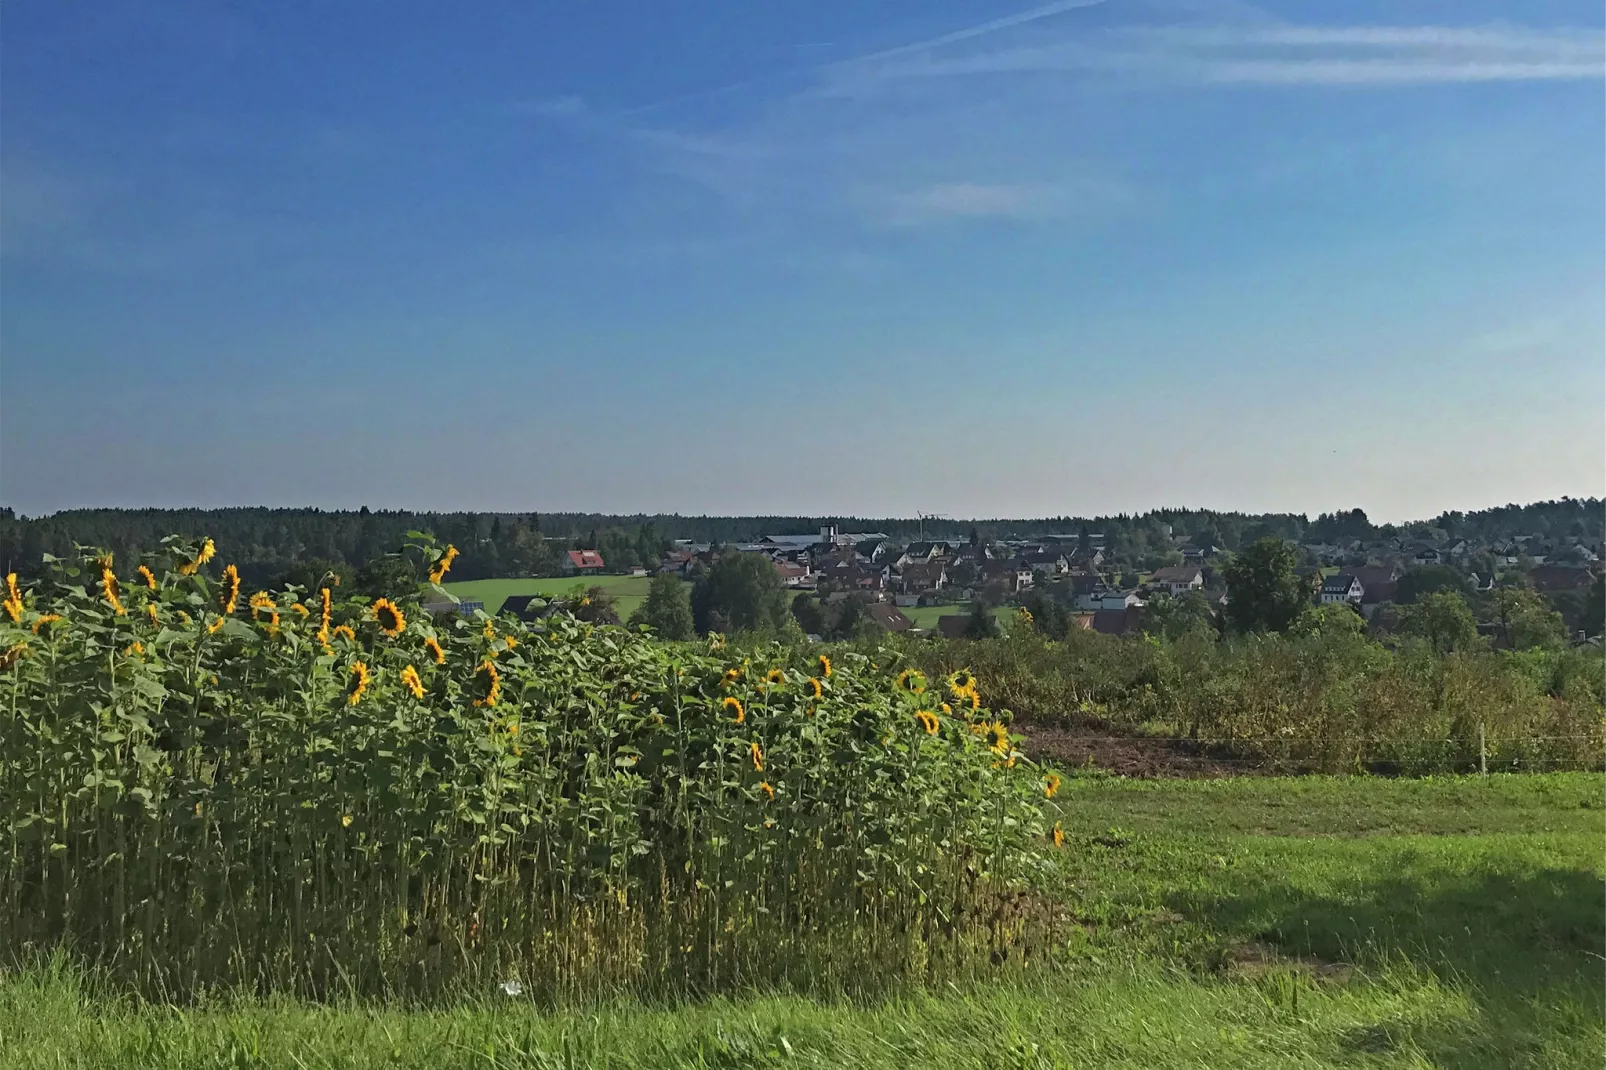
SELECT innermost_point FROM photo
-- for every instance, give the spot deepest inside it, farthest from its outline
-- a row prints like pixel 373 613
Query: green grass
pixel 628 592
pixel 926 616
pixel 1257 923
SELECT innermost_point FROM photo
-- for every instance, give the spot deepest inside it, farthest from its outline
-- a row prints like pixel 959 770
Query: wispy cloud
pixel 1264 54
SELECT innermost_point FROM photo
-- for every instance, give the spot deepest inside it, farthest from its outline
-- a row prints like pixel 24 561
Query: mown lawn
pixel 628 592
pixel 1257 922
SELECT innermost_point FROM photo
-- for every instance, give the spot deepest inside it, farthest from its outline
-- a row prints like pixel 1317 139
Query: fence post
pixel 1483 753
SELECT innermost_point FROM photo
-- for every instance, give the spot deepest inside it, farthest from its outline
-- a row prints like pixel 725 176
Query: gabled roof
pixel 1178 574
pixel 888 617
pixel 585 558
pixel 1338 584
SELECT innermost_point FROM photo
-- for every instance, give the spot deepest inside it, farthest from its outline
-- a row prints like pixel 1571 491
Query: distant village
pixel 1107 595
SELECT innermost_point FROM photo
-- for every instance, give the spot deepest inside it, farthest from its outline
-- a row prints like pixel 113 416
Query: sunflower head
pixel 443 565
pixel 825 667
pixel 929 721
pixel 912 681
pixel 1051 785
pixel 206 553
pixel 757 754
pixel 344 631
pixel 148 576
pixel 731 676
pixel 229 593
pixel 50 618
pixel 816 689
pixel 357 682
pixel 390 618
pixel 1000 736
pixel 493 683
pixel 12 590
pixel 1058 835
pixel 764 786
pixel 775 676
pixel 733 706
pixel 108 587
pixel 410 680
pixel 433 645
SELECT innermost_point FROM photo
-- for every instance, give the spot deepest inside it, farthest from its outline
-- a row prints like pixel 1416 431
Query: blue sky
pixel 980 258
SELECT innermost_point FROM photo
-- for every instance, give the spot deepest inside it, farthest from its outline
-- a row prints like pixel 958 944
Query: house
pixel 922 576
pixel 1560 577
pixel 526 607
pixel 1117 621
pixel 888 617
pixel 922 553
pixel 1376 596
pixel 1423 554
pixel 1105 598
pixel 1178 579
pixel 1343 587
pixel 582 561
pixel 792 573
pixel 1015 576
pixel 1048 562
pixel 1372 575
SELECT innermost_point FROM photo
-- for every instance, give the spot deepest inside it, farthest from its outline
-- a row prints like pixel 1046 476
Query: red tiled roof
pixel 585 558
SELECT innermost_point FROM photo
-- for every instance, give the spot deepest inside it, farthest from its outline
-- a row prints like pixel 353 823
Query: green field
pixel 628 592
pixel 1255 922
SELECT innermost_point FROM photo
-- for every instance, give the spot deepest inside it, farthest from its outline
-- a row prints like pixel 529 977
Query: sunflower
pixel 389 616
pixel 433 645
pixel 150 611
pixel 1051 785
pixel 216 626
pixel 757 754
pixel 825 667
pixel 961 683
pixel 764 786
pixel 13 607
pixel 135 649
pixel 493 687
pixel 323 620
pixel 947 710
pixel 929 721
pixel 443 565
pixel 260 601
pixel 46 619
pixel 975 700
pixel 1000 736
pixel 978 729
pixel 409 678
pixel 301 610
pixel 108 587
pixel 357 683
pixel 510 642
pixel 202 556
pixel 816 689
pixel 912 681
pixel 489 631
pixel 13 592
pixel 730 678
pixel 229 594
pixel 344 631
pixel 1058 835
pixel 731 702
pixel 148 576
pixel 775 676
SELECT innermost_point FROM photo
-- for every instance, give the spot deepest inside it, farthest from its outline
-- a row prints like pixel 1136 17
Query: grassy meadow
pixel 1254 922
pixel 628 592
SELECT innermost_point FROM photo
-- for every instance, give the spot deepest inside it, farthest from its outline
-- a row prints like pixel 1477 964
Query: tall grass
pixel 298 792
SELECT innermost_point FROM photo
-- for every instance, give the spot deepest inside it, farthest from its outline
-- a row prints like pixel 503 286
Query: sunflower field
pixel 208 788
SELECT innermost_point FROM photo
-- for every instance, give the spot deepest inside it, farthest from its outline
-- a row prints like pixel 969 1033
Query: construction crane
pixel 928 516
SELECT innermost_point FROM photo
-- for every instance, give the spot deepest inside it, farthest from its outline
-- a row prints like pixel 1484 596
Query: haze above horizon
pixel 984 258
